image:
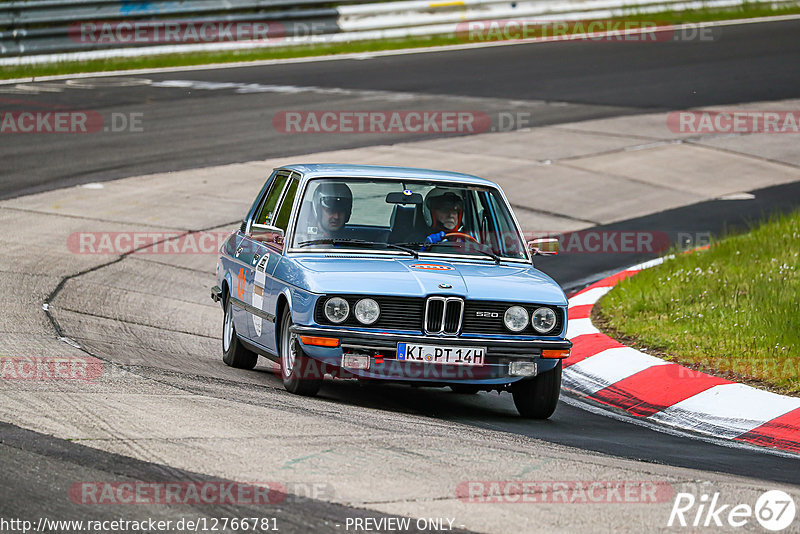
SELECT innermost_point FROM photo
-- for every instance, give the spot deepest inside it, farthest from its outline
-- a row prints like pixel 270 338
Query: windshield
pixel 437 218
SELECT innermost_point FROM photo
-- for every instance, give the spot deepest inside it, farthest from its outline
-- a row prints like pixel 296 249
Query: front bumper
pixel 216 294
pixel 382 348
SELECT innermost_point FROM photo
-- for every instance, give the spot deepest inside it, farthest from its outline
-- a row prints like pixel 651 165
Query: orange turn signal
pixel 559 353
pixel 320 341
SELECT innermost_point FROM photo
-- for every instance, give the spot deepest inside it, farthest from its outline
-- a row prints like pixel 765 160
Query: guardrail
pixel 49 26
pixel 41 31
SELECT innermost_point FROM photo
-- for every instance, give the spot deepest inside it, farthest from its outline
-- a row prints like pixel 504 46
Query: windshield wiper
pixel 489 253
pixel 335 241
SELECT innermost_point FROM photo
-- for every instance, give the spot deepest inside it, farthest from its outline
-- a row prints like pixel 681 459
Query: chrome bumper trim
pixel 216 294
pixel 351 337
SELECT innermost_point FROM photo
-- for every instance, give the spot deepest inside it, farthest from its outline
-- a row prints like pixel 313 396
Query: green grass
pixel 730 310
pixel 746 10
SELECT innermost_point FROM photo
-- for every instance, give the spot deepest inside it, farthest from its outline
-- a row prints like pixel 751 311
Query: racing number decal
pixel 240 287
pixel 259 283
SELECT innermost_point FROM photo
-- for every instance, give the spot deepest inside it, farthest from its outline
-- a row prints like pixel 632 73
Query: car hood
pixel 422 277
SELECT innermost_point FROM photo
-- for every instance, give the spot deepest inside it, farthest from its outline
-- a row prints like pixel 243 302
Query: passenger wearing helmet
pixel 446 210
pixel 333 205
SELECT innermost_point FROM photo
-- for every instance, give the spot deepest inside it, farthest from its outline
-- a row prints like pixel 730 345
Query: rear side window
pixel 267 212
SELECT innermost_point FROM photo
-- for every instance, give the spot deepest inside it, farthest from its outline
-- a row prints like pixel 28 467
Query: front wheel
pixel 233 353
pixel 537 398
pixel 301 375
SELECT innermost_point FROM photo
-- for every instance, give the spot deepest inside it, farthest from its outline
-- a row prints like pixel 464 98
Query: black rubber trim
pixel 252 309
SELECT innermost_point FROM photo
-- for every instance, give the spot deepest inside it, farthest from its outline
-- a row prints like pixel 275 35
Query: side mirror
pixel 543 246
pixel 266 234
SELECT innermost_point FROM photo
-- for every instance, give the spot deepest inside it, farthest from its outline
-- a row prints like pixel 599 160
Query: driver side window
pixel 282 220
pixel 266 215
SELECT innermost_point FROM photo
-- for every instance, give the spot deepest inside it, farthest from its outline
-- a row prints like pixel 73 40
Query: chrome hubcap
pixel 288 353
pixel 227 329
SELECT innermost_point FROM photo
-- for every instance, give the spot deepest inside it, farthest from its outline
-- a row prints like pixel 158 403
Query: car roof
pixel 331 170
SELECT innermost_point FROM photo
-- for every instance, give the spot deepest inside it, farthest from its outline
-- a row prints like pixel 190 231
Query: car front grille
pixel 445 315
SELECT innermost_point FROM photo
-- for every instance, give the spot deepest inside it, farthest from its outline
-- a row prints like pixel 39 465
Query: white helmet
pixel 441 197
pixel 335 196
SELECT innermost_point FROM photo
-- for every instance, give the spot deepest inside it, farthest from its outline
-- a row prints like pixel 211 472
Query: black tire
pixel 465 389
pixel 233 352
pixel 301 374
pixel 537 398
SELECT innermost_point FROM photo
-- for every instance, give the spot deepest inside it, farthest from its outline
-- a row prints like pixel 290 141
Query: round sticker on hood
pixel 431 267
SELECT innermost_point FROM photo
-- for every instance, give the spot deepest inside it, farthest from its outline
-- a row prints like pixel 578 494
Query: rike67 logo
pixel 774 510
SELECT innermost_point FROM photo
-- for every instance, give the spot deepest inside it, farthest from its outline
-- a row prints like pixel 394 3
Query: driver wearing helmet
pixel 333 205
pixel 447 210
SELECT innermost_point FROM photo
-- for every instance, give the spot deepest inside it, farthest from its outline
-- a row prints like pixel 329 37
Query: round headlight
pixel 516 318
pixel 367 311
pixel 337 309
pixel 543 320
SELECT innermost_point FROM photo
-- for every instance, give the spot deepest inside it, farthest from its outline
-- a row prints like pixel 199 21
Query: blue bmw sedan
pixel 392 274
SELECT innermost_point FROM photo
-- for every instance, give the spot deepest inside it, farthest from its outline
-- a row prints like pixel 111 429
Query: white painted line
pixel 71 342
pixel 737 196
pixel 728 410
pixel 580 327
pixel 589 297
pixel 360 55
pixel 648 264
pixel 609 367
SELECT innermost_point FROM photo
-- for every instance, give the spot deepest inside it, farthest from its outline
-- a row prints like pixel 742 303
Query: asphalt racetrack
pixel 172 410
pixel 186 128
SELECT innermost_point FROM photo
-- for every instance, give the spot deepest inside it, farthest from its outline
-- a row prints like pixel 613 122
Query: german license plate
pixel 441 354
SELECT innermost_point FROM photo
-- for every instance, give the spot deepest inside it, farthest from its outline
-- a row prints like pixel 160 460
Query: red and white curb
pixel 604 370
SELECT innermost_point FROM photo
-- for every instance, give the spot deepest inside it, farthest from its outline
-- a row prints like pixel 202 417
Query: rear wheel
pixel 301 374
pixel 537 398
pixel 233 352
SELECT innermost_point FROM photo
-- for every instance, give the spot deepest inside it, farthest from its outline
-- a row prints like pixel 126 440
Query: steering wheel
pixel 462 234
